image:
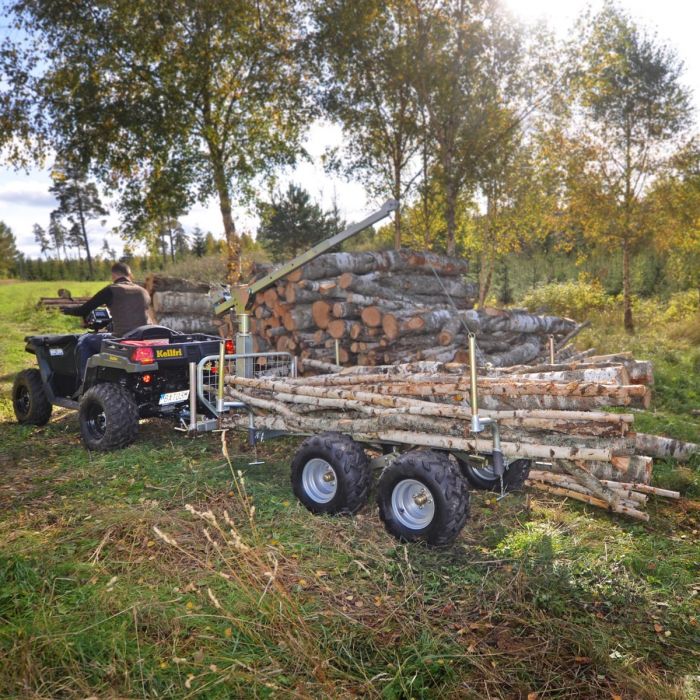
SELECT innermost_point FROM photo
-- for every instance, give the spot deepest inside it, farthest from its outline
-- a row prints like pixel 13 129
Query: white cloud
pixel 26 194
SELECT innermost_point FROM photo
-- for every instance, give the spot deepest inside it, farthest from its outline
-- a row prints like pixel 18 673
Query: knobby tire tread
pixel 436 467
pixel 346 455
pixel 123 421
pixel 40 407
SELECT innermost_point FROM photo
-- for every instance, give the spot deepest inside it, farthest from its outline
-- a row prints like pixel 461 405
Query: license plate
pixel 174 397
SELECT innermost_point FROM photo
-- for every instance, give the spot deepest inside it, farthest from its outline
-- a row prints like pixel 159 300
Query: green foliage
pixel 630 111
pixel 218 104
pixel 368 50
pixel 467 81
pixel 8 250
pixel 293 223
pixel 573 299
pixel 78 203
pixel 683 306
pixel 199 247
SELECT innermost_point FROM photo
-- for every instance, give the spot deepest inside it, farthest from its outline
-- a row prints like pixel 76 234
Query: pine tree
pixel 8 250
pixel 78 203
pixel 199 246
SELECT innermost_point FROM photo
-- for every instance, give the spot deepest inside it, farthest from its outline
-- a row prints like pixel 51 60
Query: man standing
pixel 128 303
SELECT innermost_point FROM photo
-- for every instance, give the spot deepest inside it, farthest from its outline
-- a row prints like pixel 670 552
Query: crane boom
pixel 242 295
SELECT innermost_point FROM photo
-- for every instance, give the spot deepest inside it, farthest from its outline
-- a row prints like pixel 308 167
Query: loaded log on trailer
pixel 424 423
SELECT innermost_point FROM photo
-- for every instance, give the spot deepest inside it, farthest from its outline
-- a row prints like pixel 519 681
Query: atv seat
pixel 150 332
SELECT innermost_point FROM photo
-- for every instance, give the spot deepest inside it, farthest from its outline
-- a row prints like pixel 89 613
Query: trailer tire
pixel 29 400
pixel 331 474
pixel 421 474
pixel 483 479
pixel 109 418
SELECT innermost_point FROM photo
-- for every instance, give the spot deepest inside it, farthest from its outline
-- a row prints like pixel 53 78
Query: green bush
pixel 682 306
pixel 575 299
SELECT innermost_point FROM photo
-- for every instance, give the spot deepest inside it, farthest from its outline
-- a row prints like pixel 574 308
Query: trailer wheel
pixel 109 418
pixel 482 477
pixel 331 474
pixel 423 496
pixel 29 398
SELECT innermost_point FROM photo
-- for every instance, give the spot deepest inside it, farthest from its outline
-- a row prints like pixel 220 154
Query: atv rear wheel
pixel 109 418
pixel 331 474
pixel 29 398
pixel 423 496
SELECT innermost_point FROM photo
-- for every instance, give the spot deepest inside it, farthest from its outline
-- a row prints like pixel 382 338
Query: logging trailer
pixel 423 494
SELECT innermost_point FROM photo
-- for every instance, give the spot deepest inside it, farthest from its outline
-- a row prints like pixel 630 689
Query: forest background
pixel 541 161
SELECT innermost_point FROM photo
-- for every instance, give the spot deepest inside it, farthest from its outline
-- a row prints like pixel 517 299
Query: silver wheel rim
pixel 412 504
pixel 319 480
pixel 485 472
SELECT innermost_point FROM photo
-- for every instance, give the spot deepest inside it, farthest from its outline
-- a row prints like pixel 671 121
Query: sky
pixel 25 199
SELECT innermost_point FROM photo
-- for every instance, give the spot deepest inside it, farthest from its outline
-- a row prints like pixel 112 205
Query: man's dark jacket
pixel 127 302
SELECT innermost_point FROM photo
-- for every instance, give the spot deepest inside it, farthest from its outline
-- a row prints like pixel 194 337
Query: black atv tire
pixel 109 418
pixel 29 398
pixel 331 474
pixel 423 474
pixel 482 478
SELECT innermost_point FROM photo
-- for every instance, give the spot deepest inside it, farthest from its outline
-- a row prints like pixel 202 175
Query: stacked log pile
pixel 581 451
pixel 186 306
pixel 64 300
pixel 393 307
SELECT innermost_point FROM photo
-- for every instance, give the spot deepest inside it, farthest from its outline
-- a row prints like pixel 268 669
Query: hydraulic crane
pixel 241 296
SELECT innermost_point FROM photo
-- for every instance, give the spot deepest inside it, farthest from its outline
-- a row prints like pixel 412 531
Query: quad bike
pixel 143 374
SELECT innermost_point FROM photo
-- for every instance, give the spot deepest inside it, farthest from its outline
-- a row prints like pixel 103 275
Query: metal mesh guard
pixel 264 365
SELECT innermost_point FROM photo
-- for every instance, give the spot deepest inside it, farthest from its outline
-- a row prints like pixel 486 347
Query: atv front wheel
pixel 29 398
pixel 109 418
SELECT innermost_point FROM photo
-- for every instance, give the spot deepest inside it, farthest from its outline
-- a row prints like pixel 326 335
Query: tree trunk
pixel 85 236
pixel 233 242
pixel 626 286
pixel 451 216
pixel 397 197
pixel 163 245
pixel 172 242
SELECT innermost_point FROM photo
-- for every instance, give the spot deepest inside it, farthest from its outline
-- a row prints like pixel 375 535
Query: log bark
pixel 182 303
pixel 327 367
pixel 189 324
pixel 664 448
pixel 323 287
pixel 591 500
pixel 409 285
pixel 525 352
pixel 165 283
pixel 346 309
pixel 294 294
pixel 430 322
pixel 298 318
pixel 616 374
pixel 450 330
pixel 334 264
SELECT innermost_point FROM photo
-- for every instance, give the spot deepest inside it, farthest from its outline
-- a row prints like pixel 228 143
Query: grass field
pixel 177 569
